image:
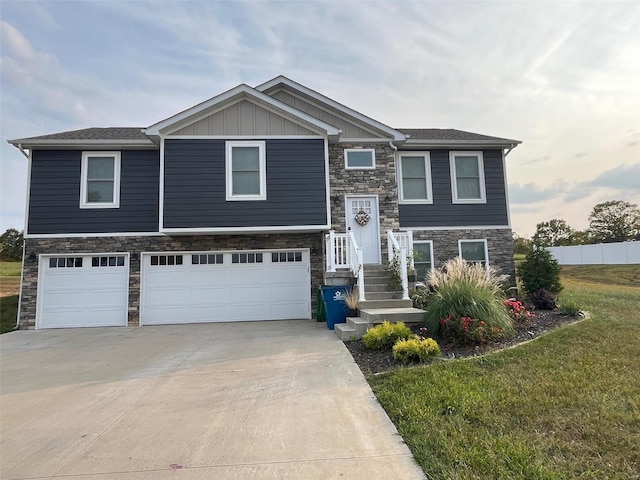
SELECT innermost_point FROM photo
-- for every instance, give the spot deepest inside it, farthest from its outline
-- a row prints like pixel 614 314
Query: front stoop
pixel 381 304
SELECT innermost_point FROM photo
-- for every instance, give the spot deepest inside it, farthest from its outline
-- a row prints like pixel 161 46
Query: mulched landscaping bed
pixel 378 361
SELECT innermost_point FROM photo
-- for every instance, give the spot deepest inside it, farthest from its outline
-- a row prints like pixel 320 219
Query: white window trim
pixel 430 242
pixel 262 159
pixel 373 157
pixel 454 184
pixel 116 180
pixel 427 169
pixel 475 240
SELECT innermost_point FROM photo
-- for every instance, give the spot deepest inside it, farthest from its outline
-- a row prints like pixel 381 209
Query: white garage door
pixel 83 291
pixel 225 286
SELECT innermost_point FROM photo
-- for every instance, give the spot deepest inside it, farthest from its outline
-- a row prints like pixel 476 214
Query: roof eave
pixel 502 143
pixel 79 143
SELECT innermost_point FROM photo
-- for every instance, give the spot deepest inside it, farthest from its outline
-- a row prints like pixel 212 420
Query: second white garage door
pixel 199 287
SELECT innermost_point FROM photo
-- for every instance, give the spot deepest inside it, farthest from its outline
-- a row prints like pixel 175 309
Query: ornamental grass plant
pixel 467 290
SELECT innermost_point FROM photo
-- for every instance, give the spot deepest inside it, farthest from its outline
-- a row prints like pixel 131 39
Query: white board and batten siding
pixel 620 253
pixel 230 286
pixel 82 290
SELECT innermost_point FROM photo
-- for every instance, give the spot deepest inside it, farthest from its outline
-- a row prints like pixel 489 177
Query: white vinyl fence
pixel 620 253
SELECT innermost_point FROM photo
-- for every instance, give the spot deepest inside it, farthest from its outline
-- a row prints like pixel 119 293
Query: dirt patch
pixel 9 286
pixel 378 361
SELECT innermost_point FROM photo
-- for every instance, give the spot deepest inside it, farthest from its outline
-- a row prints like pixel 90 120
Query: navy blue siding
pixel 444 213
pixel 54 202
pixel 195 192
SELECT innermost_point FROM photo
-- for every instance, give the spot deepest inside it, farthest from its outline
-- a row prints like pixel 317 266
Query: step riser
pixel 393 317
pixel 393 303
pixel 383 295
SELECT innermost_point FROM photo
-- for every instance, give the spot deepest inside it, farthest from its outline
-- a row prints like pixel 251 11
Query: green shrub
pixel 415 349
pixel 540 270
pixel 464 290
pixel 420 297
pixel 385 335
pixel 568 306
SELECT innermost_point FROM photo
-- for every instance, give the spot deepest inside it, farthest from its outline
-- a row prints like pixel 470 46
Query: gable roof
pixel 276 82
pixel 242 91
pixel 450 136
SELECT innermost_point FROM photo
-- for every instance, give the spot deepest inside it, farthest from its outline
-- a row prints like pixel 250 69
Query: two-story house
pixel 235 209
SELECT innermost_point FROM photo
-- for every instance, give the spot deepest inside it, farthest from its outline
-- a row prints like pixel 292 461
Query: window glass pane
pixel 274 257
pixel 413 167
pixel 100 168
pixel 121 261
pixel 69 262
pixel 246 159
pixel 298 256
pixel 473 251
pixel 178 259
pixel 171 260
pixel 53 262
pixel 422 259
pixel 258 258
pixel 103 261
pixel 360 159
pixel 195 259
pixel 61 262
pixel 99 191
pixel 95 261
pixel 246 183
pixel 235 258
pixel 211 259
pixel 219 259
pixel 467 166
pixel 468 187
pixel 163 260
pixel 112 261
pixel 414 189
pixel 154 260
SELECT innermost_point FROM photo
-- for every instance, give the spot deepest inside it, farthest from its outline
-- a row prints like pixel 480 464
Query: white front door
pixel 363 220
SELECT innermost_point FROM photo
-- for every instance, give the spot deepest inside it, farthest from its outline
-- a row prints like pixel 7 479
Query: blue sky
pixel 563 77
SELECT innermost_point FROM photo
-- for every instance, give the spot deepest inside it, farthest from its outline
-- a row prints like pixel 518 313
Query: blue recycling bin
pixel 335 308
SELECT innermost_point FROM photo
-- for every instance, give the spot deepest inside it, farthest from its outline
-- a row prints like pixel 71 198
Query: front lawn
pixel 564 406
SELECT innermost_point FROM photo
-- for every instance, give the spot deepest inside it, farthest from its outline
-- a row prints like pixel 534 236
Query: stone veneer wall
pixel 87 245
pixel 381 182
pixel 499 245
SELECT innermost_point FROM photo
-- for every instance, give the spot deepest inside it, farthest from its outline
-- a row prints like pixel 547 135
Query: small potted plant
pixel 352 299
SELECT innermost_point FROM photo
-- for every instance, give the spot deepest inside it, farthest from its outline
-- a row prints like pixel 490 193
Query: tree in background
pixel 11 245
pixel 614 221
pixel 521 245
pixel 554 233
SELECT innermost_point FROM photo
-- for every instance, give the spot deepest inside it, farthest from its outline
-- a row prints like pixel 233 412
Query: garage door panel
pixel 223 291
pixel 75 294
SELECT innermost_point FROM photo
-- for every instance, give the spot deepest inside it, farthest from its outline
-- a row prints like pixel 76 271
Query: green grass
pixel 10 269
pixel 564 406
pixel 8 311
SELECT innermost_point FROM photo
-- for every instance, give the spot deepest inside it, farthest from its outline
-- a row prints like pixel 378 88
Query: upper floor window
pixel 467 177
pixel 360 158
pixel 100 183
pixel 415 177
pixel 474 251
pixel 246 171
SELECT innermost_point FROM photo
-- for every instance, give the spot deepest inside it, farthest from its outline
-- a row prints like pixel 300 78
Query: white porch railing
pixel 342 252
pixel 394 249
pixel 405 240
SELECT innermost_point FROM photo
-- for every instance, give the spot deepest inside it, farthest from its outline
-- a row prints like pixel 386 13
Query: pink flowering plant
pixel 465 330
pixel 518 312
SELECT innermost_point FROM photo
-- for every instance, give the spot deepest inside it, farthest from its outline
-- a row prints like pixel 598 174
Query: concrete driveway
pixel 218 401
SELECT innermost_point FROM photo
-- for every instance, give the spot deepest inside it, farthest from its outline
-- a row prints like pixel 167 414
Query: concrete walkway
pixel 219 401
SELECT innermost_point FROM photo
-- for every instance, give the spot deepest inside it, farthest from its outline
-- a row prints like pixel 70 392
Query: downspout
pixel 19 147
pixel 514 145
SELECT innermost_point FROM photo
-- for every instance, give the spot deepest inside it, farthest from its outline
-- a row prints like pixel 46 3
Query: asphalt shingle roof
pixel 109 133
pixel 448 134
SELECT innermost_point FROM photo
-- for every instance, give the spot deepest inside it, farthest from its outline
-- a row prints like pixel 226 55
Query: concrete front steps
pixel 381 304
